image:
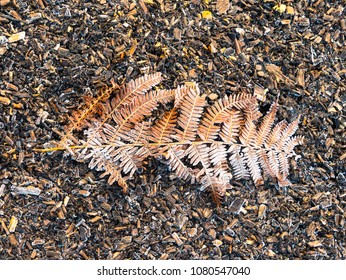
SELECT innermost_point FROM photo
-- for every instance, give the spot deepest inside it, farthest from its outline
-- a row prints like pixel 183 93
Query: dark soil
pixel 72 48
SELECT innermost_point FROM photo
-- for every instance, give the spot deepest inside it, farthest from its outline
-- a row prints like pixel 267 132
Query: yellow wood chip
pixel 16 37
pixel 207 15
pixel 13 224
pixel 133 48
pixel 280 8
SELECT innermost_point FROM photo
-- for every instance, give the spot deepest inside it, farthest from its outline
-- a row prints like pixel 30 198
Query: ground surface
pixel 71 48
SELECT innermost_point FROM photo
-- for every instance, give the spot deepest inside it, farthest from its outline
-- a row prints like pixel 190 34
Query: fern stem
pixel 48 150
pixel 171 144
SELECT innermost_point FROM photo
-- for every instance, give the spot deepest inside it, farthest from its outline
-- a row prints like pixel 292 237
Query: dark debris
pixel 52 207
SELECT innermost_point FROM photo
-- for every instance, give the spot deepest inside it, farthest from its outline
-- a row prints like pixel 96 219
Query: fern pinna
pixel 209 145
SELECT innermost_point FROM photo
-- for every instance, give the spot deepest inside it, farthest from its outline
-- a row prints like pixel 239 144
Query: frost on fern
pixel 209 145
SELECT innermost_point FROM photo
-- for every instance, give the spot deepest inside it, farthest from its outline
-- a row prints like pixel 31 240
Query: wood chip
pixel 272 239
pixel 143 6
pixel 213 96
pixel 5 100
pixel 16 37
pixel 222 6
pixel 2 190
pixel 126 239
pixel 3 50
pixel 207 15
pixel 13 240
pixel 26 190
pixel 95 219
pixel 316 243
pixel 342 157
pixel 300 77
pixel 4 227
pixel 191 232
pixel 260 93
pixel 290 10
pixel 11 87
pixel 217 242
pixel 4 2
pixel 177 239
pixel 236 205
pixel 277 73
pixel 281 8
pixel 66 200
pixel 262 211
pixel 13 224
pixel 37 242
pixel 84 193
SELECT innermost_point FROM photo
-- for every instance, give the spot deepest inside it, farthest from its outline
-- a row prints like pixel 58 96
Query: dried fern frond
pixel 221 112
pixel 191 111
pixel 81 118
pixel 209 145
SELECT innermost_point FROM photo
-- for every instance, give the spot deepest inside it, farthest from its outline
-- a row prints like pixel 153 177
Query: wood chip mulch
pixel 54 52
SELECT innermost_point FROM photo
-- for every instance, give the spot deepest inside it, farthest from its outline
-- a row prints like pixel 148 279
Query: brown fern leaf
pixel 249 132
pixel 275 134
pixel 127 94
pixel 218 189
pixel 287 133
pixel 131 114
pixel 137 87
pixel 226 141
pixel 220 112
pixel 162 130
pixel 238 163
pixel 174 157
pixel 230 129
pixel 290 144
pixel 269 163
pixel 191 111
pixel 218 158
pixel 181 92
pixel 266 125
pixel 199 154
pixel 252 161
pixel 81 118
pixel 114 176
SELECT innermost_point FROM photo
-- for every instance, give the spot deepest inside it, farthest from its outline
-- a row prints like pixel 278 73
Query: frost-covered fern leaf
pixel 209 145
